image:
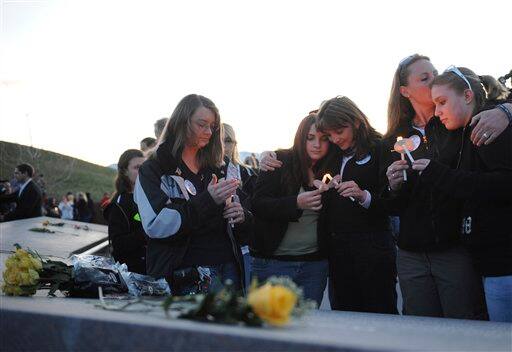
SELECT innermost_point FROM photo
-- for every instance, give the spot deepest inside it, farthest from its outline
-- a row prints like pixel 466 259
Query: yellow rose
pixel 12 290
pixel 34 276
pixel 12 276
pixel 25 279
pixel 11 262
pixel 21 253
pixel 8 277
pixel 36 264
pixel 273 304
pixel 25 263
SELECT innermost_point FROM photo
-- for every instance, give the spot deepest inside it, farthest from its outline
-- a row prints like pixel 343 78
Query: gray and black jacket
pixel 170 217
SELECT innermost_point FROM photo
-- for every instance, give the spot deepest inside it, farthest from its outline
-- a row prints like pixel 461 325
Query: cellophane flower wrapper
pixel 144 285
pixel 92 271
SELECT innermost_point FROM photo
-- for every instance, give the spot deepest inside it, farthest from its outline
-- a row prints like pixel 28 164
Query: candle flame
pixel 326 177
pixel 399 138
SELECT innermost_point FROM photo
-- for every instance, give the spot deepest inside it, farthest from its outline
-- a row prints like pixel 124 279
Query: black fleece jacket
pixel 125 233
pixel 482 183
pixel 426 218
pixel 274 207
pixel 170 220
pixel 346 216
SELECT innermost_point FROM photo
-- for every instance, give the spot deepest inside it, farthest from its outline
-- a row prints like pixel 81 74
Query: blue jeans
pixel 247 268
pixel 311 276
pixel 218 274
pixel 498 295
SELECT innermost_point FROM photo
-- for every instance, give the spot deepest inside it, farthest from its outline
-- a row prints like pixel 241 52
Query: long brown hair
pixel 122 182
pixel 456 83
pixel 301 162
pixel 400 110
pixel 179 129
pixel 340 112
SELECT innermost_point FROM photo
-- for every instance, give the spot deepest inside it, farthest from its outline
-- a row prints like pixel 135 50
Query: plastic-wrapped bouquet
pixel 26 272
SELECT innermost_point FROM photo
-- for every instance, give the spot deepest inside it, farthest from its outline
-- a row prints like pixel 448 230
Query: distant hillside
pixel 62 173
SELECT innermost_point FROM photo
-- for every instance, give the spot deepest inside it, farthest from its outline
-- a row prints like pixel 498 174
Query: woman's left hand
pixel 234 212
pixel 489 125
pixel 420 164
pixel 351 189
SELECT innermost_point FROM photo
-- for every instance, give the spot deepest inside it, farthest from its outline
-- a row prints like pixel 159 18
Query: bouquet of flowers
pixel 26 272
pixel 275 302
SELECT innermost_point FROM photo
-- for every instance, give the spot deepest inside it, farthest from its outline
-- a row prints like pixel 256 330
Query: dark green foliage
pixel 226 306
pixel 62 173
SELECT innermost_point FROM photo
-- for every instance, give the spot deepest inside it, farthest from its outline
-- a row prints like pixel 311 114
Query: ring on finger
pixel 485 135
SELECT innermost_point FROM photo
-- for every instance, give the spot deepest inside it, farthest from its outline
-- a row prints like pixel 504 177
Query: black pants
pixel 362 272
pixel 441 283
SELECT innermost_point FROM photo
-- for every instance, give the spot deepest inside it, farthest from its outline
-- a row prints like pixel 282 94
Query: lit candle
pixel 404 147
pixel 327 177
pixel 402 156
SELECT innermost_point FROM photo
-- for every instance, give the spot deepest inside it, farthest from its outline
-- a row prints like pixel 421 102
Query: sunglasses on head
pixel 455 70
pixel 405 61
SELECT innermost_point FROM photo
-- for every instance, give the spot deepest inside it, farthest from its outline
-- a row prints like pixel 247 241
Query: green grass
pixel 62 173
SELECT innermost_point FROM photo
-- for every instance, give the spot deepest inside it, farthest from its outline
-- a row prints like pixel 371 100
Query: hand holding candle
pixel 338 186
pixel 402 156
pixel 420 165
pixel 234 211
pixel 326 183
pixel 351 190
pixel 405 145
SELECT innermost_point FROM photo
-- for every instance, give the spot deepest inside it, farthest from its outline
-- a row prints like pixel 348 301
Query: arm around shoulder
pixel 269 200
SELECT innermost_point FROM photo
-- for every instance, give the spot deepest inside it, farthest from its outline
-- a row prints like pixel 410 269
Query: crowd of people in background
pixel 19 202
pixel 187 209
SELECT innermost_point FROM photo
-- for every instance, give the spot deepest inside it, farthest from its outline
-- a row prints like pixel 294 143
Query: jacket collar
pixel 165 159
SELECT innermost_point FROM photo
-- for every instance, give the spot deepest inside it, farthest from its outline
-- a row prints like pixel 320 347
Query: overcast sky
pixel 89 78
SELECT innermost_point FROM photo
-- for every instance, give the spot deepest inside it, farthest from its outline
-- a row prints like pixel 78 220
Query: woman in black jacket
pixel 288 233
pixel 481 181
pixel 125 231
pixel 181 195
pixel 362 272
pixel 435 270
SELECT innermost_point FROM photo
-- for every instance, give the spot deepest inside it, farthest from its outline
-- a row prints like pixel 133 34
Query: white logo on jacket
pixel 174 187
pixel 364 160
